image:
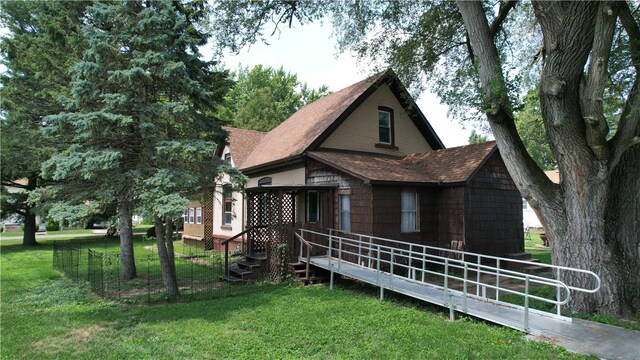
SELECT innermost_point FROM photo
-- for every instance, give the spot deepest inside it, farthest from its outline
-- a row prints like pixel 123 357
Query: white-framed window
pixel 191 215
pixel 525 205
pixel 227 205
pixel 385 126
pixel 345 213
pixel 227 157
pixel 199 215
pixel 313 206
pixel 409 218
pixel 185 216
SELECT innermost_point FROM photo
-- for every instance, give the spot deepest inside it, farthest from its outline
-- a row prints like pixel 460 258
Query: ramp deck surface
pixel 585 337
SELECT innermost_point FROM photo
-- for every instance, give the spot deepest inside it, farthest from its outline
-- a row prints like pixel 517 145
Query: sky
pixel 309 51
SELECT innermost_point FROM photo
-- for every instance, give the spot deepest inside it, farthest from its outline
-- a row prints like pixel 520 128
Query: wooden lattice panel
pixel 207 219
pixel 275 210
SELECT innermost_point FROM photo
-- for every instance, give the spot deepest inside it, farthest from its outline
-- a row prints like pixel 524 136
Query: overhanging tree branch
pixel 628 133
pixel 531 181
pixel 592 89
pixel 505 7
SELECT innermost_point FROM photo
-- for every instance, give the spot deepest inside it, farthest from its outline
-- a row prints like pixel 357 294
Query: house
pixel 218 213
pixel 529 217
pixel 366 160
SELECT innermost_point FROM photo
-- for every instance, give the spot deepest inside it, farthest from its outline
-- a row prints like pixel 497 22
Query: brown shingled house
pixel 366 160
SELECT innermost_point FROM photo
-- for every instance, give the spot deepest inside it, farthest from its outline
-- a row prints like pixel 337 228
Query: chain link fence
pixel 198 273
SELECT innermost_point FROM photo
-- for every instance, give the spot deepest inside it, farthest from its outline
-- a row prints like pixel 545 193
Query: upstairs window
pixel 227 158
pixel 227 205
pixel 385 128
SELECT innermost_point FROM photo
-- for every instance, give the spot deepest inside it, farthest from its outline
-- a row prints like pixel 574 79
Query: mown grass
pixel 46 316
pixel 136 228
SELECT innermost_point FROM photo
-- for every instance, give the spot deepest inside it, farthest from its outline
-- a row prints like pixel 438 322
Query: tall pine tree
pixel 139 111
pixel 43 40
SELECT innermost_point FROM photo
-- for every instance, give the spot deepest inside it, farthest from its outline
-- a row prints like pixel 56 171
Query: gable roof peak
pixel 313 123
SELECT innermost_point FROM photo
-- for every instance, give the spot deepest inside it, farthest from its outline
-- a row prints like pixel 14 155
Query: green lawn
pixel 136 228
pixel 46 316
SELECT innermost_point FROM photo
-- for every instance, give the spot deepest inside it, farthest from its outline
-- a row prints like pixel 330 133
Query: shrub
pixel 51 225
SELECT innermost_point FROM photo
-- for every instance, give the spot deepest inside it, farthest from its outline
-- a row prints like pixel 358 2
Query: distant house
pixel 366 160
pixel 529 217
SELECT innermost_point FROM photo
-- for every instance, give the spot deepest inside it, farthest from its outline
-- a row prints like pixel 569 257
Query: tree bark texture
pixel 30 226
pixel 127 259
pixel 588 217
pixel 166 257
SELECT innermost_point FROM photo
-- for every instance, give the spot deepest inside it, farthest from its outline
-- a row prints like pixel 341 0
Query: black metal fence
pixel 198 273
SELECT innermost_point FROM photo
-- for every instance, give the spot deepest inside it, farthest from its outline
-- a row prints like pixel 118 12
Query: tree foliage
pixel 42 42
pixel 480 58
pixel 530 127
pixel 476 138
pixel 263 97
pixel 138 112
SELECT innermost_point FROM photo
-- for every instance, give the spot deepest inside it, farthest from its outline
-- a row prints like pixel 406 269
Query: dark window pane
pixel 385 135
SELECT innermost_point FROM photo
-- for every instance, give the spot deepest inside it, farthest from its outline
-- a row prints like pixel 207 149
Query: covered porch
pixel 274 211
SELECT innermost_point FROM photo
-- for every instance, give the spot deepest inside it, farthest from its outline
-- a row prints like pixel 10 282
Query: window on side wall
pixel 199 215
pixel 227 205
pixel 191 215
pixel 313 206
pixel 345 213
pixel 409 218
pixel 185 216
pixel 385 126
pixel 227 157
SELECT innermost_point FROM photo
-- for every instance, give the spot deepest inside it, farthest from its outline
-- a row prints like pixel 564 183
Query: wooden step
pixel 248 264
pixel 239 271
pixel 518 256
pixel 256 256
pixel 296 264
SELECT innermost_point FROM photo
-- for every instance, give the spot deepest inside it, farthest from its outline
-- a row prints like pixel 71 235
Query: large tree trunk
pixel 591 218
pixel 127 259
pixel 166 256
pixel 30 226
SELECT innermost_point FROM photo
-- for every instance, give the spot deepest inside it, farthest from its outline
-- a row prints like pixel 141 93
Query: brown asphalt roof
pixel 242 142
pixel 293 136
pixel 447 166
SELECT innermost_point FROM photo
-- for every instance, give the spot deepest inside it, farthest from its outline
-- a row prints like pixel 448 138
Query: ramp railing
pixel 450 270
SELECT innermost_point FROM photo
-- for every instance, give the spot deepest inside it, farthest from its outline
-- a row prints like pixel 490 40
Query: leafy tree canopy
pixel 43 41
pixel 476 138
pixel 263 97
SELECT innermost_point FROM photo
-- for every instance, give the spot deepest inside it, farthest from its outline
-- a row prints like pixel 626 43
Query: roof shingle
pixel 242 142
pixel 293 136
pixel 447 166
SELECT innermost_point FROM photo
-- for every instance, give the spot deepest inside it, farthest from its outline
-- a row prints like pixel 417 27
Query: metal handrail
pixel 376 252
pixel 309 246
pixel 498 259
pixel 487 269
